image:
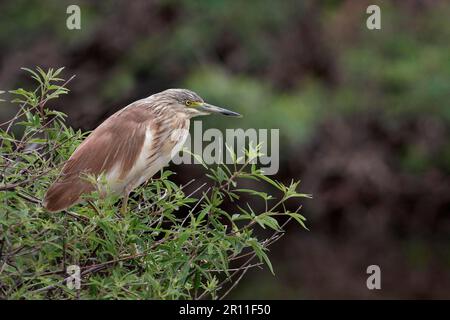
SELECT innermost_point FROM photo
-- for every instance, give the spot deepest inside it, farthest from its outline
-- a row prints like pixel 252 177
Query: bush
pixel 170 245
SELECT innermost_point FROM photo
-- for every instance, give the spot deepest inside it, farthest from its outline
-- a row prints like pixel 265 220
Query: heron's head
pixel 191 103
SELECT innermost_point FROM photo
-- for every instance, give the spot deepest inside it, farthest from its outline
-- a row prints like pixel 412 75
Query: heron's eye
pixel 188 103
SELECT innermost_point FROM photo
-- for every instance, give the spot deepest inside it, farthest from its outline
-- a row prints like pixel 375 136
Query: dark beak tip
pixel 233 114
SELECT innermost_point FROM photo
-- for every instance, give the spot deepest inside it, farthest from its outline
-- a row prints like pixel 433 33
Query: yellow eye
pixel 188 103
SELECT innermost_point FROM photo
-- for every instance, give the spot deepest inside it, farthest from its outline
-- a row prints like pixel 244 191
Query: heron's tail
pixel 64 194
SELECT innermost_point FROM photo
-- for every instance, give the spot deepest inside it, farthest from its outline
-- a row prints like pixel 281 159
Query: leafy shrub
pixel 170 245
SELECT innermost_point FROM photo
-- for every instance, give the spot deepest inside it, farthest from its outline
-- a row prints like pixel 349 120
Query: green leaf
pixel 274 183
pixel 266 220
pixel 299 218
pixel 259 251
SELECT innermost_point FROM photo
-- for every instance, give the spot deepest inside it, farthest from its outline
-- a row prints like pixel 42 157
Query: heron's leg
pixel 123 209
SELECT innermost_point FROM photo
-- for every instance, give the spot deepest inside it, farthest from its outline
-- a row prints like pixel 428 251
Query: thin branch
pixel 234 284
pixel 11 186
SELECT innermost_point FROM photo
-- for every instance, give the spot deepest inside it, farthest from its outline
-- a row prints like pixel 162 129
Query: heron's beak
pixel 209 108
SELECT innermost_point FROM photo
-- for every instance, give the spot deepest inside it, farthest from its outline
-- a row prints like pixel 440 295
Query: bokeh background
pixel 364 116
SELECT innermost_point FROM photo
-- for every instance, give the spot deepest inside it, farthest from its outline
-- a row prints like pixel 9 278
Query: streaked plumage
pixel 130 146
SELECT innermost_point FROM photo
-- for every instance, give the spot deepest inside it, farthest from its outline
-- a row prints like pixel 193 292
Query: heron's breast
pixel 176 139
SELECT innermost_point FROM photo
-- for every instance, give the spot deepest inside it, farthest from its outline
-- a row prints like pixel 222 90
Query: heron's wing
pixel 115 144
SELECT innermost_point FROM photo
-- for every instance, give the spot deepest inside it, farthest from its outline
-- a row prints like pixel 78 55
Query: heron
pixel 129 147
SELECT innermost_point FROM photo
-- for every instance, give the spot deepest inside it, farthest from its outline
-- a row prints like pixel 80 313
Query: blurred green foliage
pixel 402 69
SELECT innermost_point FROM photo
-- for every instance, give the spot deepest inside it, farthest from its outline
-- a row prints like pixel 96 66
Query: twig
pixel 27 197
pixel 12 186
pixel 234 284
